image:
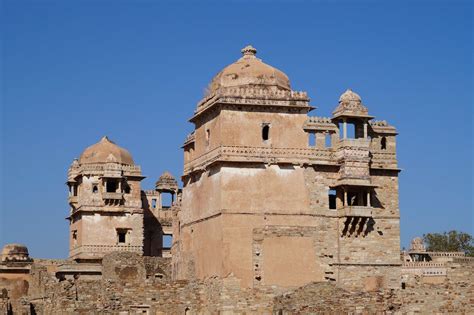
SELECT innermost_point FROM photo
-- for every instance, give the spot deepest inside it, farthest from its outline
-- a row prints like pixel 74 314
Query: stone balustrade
pixel 112 196
pixel 260 154
pixel 360 143
pixel 101 249
pixel 355 211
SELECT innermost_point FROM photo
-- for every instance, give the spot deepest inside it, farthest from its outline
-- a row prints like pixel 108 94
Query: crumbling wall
pixel 132 283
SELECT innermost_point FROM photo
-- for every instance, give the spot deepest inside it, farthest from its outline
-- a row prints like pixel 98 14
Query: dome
pixel 105 151
pixel 249 71
pixel 349 96
pixel 167 182
pixel 350 105
pixel 15 252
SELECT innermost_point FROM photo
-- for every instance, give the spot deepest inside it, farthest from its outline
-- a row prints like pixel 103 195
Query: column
pixel 344 128
pixel 345 197
pixel 368 198
pixel 365 130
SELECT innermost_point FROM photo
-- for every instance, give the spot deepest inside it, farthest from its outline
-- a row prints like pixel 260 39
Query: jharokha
pixel 279 212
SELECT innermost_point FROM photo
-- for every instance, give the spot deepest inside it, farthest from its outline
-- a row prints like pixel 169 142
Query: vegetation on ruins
pixel 452 241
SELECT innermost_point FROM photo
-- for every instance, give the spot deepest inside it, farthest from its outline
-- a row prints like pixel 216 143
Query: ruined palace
pixel 277 210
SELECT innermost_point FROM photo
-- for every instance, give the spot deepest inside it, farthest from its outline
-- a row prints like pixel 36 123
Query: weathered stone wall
pixel 131 284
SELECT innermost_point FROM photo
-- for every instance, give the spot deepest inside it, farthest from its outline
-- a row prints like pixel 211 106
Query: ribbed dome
pixel 105 151
pixel 249 71
pixel 349 96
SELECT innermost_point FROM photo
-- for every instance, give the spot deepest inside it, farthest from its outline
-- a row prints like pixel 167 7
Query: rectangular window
pixel 111 186
pixel 332 198
pixel 121 236
pixel 166 200
pixel 312 139
pixel 167 240
pixel 153 203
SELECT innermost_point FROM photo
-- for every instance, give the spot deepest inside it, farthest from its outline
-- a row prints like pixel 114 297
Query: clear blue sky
pixel 73 71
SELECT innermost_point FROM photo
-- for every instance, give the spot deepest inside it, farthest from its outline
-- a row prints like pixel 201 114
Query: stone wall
pixel 132 284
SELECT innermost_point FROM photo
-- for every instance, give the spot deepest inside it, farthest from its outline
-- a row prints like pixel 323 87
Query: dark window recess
pixel 383 143
pixel 95 189
pixel 332 199
pixel 153 203
pixel 126 189
pixel 122 236
pixel 111 186
pixel 265 132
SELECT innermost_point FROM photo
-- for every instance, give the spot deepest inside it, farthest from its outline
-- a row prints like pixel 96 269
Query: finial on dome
pixel 249 50
pixel 105 138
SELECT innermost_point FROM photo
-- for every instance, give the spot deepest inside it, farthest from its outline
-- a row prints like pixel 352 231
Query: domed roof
pixel 349 96
pixel 350 105
pixel 167 182
pixel 249 71
pixel 14 252
pixel 105 151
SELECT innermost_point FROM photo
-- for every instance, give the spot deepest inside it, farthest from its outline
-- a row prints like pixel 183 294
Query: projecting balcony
pixel 112 196
pixel 355 211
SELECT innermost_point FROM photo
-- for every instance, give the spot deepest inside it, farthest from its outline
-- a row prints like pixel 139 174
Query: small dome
pixel 349 96
pixel 105 151
pixel 15 252
pixel 249 71
pixel 167 182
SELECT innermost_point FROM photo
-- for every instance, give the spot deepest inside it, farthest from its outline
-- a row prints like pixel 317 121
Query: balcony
pixel 355 211
pixel 112 196
pixel 91 251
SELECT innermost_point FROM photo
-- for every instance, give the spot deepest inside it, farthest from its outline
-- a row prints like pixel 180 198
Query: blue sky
pixel 73 71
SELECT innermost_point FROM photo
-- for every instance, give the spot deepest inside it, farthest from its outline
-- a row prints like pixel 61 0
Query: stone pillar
pixel 344 129
pixel 365 130
pixel 368 198
pixel 345 197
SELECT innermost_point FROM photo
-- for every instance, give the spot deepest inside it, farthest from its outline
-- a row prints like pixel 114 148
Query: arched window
pixel 95 189
pixel 383 143
pixel 265 132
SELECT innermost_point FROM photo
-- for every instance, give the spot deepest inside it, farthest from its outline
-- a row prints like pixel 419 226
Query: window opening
pixel 265 132
pixel 111 186
pixel 383 143
pixel 122 236
pixel 166 200
pixel 167 240
pixel 312 139
pixel 153 203
pixel 332 198
pixel 95 189
pixel 126 189
pixel 208 136
pixel 327 140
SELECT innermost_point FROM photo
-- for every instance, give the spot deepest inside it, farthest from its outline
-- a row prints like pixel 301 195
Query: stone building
pixel 280 213
pixel 266 187
pixel 108 210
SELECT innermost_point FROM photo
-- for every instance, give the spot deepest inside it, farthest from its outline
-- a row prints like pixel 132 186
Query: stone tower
pixel 105 197
pixel 277 198
pixel 158 216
